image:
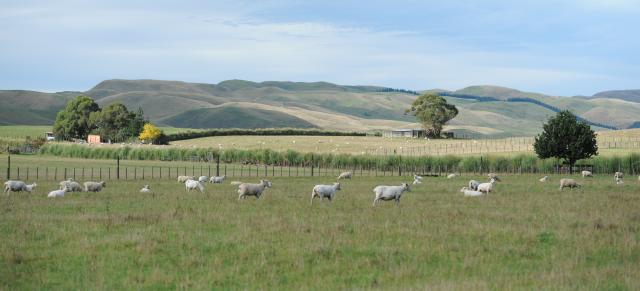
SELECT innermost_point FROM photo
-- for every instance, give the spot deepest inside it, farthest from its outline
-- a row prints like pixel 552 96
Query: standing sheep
pixel 182 179
pixel 217 179
pixel 586 174
pixel 570 183
pixel 487 187
pixel 417 179
pixel 493 176
pixel 617 176
pixel 544 179
pixel 94 186
pixel 145 189
pixel 473 185
pixel 193 184
pixel 203 179
pixel 17 186
pixel 451 176
pixel 71 184
pixel 386 193
pixel 322 191
pixel 247 189
pixel 345 175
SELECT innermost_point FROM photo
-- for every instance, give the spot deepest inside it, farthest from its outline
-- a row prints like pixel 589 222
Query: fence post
pixel 218 166
pixel 8 167
pixel 117 168
pixel 311 165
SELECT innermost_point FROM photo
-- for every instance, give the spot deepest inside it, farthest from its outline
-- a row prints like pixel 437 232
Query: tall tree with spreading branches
pixel 566 138
pixel 433 112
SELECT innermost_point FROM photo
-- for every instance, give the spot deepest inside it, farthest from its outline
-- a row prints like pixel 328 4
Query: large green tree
pixel 566 138
pixel 115 122
pixel 433 112
pixel 73 120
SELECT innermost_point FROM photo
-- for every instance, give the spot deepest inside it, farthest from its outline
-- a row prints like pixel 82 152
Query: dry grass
pixel 526 235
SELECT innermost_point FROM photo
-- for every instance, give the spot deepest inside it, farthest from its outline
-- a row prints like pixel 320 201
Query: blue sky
pixel 565 48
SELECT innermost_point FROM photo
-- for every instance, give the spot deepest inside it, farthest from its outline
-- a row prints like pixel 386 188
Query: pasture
pixel 525 235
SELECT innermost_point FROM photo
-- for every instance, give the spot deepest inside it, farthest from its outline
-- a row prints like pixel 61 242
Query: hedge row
pixel 264 131
pixel 525 163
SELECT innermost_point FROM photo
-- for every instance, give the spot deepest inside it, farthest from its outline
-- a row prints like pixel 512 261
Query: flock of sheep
pixel 382 192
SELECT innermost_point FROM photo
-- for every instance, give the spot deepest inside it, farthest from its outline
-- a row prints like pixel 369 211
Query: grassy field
pixel 526 235
pixel 21 131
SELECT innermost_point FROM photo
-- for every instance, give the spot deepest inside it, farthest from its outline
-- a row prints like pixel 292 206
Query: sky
pixel 563 47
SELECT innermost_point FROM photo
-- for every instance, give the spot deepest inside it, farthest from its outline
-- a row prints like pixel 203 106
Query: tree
pixel 113 122
pixel 433 112
pixel 566 138
pixel 150 133
pixel 73 121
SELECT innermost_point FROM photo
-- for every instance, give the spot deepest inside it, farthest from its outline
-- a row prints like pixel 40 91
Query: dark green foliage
pixel 260 131
pixel 115 122
pixel 74 120
pixel 566 138
pixel 433 112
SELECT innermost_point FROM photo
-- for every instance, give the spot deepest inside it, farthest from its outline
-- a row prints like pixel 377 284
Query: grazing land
pixel 22 131
pixel 526 235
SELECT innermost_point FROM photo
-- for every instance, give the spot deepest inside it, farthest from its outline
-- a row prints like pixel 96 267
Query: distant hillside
pixel 484 110
pixel 626 95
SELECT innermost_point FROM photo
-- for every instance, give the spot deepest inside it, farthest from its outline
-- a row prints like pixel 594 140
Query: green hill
pixel 235 117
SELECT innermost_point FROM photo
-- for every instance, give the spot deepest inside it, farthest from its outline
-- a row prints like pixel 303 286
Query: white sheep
pixel 493 176
pixel 387 193
pixel 217 179
pixel 487 187
pixel 415 182
pixel 345 175
pixel 14 186
pixel 30 188
pixel 417 177
pixel 544 179
pixel 183 179
pixel 324 191
pixel 586 174
pixel 145 189
pixel 94 186
pixel 58 193
pixel 470 193
pixel 451 176
pixel 193 184
pixel 72 185
pixel 203 179
pixel 473 185
pixel 247 189
pixel 570 183
pixel 617 176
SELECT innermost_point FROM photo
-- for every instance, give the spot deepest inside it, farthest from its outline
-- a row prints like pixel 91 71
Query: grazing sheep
pixel 387 193
pixel 586 174
pixel 145 189
pixel 58 193
pixel 14 186
pixel 30 188
pixel 487 187
pixel 451 176
pixel 493 176
pixel 322 191
pixel 470 193
pixel 183 179
pixel 193 184
pixel 203 179
pixel 570 183
pixel 544 179
pixel 72 185
pixel 236 183
pixel 345 175
pixel 617 176
pixel 247 189
pixel 473 185
pixel 94 186
pixel 217 179
pixel 417 177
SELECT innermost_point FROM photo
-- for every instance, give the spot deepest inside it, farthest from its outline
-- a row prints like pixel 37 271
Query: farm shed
pixel 415 133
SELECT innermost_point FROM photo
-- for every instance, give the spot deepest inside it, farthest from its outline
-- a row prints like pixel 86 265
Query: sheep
pixel 586 174
pixel 387 193
pixel 182 179
pixel 203 179
pixel 94 186
pixel 30 188
pixel 247 189
pixel 493 176
pixel 217 179
pixel 417 179
pixel 470 193
pixel 451 176
pixel 571 183
pixel 145 189
pixel 473 185
pixel 544 179
pixel 235 183
pixel 58 193
pixel 345 175
pixel 14 186
pixel 617 176
pixel 487 187
pixel 322 191
pixel 193 184
pixel 71 184
pixel 415 182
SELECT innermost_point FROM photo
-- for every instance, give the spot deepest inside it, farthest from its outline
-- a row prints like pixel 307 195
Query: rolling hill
pixel 484 110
